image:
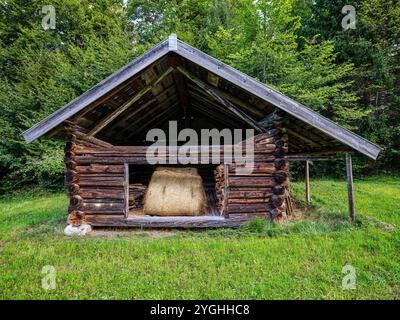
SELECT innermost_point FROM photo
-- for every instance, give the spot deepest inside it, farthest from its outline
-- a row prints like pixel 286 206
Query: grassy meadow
pixel 297 260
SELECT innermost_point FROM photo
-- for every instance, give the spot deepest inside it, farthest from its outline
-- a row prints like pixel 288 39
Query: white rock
pixel 83 229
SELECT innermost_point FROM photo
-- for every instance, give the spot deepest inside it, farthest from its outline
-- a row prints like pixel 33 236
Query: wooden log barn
pixel 106 170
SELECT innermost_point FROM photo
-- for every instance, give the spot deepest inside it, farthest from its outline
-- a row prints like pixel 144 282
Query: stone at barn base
pixel 83 229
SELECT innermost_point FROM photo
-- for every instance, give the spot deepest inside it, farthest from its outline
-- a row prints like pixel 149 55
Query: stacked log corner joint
pixel 280 193
pixel 76 216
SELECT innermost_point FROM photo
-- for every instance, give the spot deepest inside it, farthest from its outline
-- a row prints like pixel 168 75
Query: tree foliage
pixel 41 70
pixel 373 47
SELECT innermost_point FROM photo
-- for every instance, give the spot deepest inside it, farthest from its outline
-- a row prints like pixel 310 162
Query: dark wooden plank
pixel 240 102
pixel 180 87
pixel 212 201
pixel 102 193
pixel 303 138
pixel 313 158
pixel 104 208
pixel 101 182
pixel 307 177
pixel 107 119
pixel 161 96
pixel 251 181
pixel 226 189
pixel 169 222
pixel 102 169
pixel 203 99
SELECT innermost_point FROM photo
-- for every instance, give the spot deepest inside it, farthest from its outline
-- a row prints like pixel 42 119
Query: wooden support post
pixel 307 176
pixel 226 190
pixel 350 193
pixel 126 189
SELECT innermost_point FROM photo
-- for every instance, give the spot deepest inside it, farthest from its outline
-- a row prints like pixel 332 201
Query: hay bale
pixel 175 192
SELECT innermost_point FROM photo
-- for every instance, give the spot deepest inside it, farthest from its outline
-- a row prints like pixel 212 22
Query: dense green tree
pixel 309 74
pixel 41 70
pixel 374 49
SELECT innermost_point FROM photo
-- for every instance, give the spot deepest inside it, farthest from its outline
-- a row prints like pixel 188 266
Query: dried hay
pixel 175 192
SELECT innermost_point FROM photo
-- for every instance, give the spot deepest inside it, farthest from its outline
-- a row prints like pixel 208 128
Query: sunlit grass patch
pixel 298 259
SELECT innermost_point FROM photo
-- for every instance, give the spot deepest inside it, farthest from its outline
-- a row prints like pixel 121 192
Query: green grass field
pixel 296 260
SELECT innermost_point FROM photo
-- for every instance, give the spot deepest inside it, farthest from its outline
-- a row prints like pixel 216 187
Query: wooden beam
pixel 210 104
pixel 218 117
pixel 103 123
pixel 221 100
pixel 350 192
pixel 238 101
pixel 182 92
pixel 198 95
pixel 301 137
pixel 312 133
pixel 290 157
pixel 126 189
pixel 224 121
pixel 295 145
pixel 156 117
pixel 159 120
pixel 136 121
pixel 156 108
pixel 248 107
pixel 81 132
pixel 142 107
pixel 307 176
pixel 169 222
pixel 334 152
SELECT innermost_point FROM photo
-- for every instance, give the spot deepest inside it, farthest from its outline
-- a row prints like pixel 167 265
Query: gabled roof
pixel 218 68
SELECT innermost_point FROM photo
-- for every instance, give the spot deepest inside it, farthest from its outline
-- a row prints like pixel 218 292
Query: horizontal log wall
pixel 94 188
pixel 261 192
pixel 96 179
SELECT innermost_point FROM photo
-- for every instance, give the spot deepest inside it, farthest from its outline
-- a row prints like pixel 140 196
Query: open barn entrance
pixel 173 190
